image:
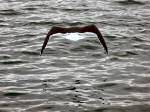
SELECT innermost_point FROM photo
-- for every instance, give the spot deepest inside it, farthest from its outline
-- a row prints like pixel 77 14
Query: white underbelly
pixel 73 36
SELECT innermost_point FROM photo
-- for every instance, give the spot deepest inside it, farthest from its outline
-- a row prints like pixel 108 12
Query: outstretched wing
pixel 94 29
pixel 52 31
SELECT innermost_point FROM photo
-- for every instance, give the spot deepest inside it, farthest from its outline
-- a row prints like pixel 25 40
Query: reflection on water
pixel 74 76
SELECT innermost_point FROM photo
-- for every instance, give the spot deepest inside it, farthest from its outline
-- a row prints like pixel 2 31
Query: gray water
pixel 74 76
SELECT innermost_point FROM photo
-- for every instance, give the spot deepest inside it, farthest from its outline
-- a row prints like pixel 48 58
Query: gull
pixel 89 28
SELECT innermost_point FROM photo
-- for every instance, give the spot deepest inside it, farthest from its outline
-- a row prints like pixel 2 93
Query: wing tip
pixel 40 53
pixel 106 51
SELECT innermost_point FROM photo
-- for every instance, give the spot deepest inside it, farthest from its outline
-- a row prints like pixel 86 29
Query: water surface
pixel 74 76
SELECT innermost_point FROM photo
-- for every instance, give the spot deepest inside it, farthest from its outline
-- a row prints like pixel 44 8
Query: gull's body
pixel 88 28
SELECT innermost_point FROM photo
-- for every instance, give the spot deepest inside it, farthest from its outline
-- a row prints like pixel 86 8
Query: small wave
pixel 96 55
pixel 2 21
pixel 5 57
pixel 4 25
pixel 83 48
pixel 105 85
pixel 89 47
pixel 25 35
pixel 30 8
pixel 76 49
pixel 30 53
pixel 70 9
pixel 115 58
pixel 142 80
pixel 9 12
pixel 142 46
pixel 129 108
pixel 13 94
pixel 111 38
pixel 130 2
pixel 125 53
pixel 75 23
pixel 39 23
pixel 137 89
pixel 138 39
pixel 61 64
pixel 12 62
pixel 57 51
pixel 74 10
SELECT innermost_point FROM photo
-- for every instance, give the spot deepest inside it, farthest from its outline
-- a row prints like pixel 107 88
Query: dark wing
pixel 52 31
pixel 94 29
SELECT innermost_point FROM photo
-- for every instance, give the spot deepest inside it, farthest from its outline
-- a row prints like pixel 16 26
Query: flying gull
pixel 88 28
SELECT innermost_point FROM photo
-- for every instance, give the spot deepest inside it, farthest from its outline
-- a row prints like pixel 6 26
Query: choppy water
pixel 74 76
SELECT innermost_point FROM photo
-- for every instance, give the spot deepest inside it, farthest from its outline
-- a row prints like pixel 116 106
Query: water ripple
pixel 13 62
pixel 74 76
